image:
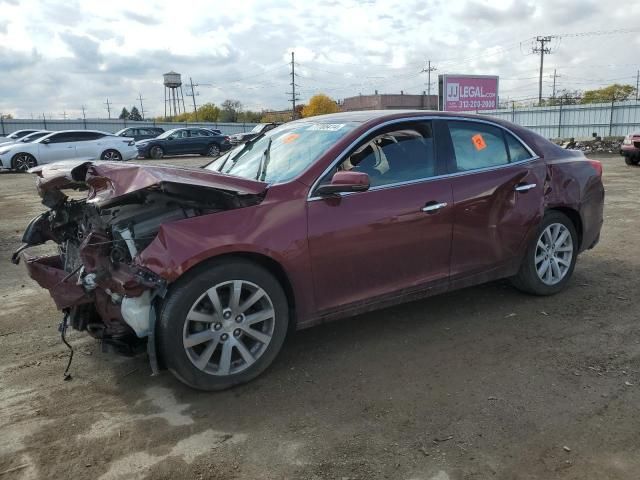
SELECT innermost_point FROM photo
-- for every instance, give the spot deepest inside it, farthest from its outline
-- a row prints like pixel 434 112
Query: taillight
pixel 227 139
pixel 597 165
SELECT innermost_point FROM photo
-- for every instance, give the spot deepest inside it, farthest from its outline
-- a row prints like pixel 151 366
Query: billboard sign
pixel 463 93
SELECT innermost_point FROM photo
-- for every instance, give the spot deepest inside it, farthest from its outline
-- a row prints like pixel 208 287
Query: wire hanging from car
pixel 63 330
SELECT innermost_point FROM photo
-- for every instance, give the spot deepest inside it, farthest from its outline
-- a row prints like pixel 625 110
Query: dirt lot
pixel 480 383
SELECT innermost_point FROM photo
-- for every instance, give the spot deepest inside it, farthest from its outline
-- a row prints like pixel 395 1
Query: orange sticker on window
pixel 478 142
pixel 290 138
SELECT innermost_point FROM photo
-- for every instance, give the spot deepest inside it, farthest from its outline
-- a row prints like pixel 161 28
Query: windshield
pixel 33 136
pixel 258 128
pixel 120 132
pixel 282 153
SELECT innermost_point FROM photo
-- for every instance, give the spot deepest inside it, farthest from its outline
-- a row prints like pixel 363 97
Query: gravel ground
pixel 481 383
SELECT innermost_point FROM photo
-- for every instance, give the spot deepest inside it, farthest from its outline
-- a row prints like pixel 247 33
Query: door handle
pixel 433 207
pixel 525 187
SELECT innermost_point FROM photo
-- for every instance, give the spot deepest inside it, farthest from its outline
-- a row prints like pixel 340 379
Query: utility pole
pixel 555 75
pixel 428 71
pixel 141 106
pixel 193 96
pixel 637 84
pixel 64 114
pixel 542 49
pixel 84 118
pixel 294 98
pixel 108 108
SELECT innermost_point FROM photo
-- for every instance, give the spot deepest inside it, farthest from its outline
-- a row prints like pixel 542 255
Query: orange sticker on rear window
pixel 478 142
pixel 290 138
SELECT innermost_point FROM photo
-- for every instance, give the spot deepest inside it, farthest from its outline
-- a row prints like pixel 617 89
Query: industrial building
pixel 393 101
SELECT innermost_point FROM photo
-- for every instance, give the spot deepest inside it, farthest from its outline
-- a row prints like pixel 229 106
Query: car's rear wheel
pixel 213 150
pixel 222 325
pixel 22 162
pixel 156 152
pixel 551 257
pixel 111 155
pixel 631 160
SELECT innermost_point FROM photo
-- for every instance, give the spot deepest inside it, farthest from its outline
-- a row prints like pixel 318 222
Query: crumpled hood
pixel 108 180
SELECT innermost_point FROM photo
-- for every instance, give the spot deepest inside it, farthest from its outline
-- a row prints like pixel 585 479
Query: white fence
pixel 8 126
pixel 577 121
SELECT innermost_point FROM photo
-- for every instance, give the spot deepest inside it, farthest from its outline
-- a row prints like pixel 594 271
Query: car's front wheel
pixel 223 324
pixel 631 160
pixel 111 155
pixel 551 257
pixel 22 162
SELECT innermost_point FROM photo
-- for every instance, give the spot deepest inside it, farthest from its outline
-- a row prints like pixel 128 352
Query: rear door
pixel 392 239
pixel 200 139
pixel 498 186
pixel 90 145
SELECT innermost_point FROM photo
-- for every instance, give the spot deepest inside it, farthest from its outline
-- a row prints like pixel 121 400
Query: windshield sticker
pixel 290 138
pixel 478 142
pixel 326 127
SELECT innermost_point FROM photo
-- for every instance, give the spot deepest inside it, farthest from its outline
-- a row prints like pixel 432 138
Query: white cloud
pixel 56 55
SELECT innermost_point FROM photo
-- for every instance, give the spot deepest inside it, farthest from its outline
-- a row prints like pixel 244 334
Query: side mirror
pixel 344 181
pixel 46 140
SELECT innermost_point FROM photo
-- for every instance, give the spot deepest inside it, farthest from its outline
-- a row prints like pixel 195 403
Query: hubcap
pixel 229 327
pixel 112 156
pixel 24 162
pixel 156 152
pixel 554 252
pixel 214 151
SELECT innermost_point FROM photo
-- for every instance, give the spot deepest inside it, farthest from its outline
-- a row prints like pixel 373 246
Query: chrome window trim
pixel 340 157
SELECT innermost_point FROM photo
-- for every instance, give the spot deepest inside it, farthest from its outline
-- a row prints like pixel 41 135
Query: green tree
pixel 614 92
pixel 124 115
pixel 135 114
pixel 230 110
pixel 320 104
pixel 208 112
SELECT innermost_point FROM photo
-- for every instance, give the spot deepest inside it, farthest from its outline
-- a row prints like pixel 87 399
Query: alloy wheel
pixel 214 151
pixel 112 155
pixel 156 152
pixel 229 327
pixel 553 255
pixel 24 162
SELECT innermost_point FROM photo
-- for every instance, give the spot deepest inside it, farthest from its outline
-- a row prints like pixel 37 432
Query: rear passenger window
pixel 517 151
pixel 477 145
pixel 397 156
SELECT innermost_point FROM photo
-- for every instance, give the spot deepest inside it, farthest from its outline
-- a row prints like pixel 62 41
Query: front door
pixel 497 194
pixel 393 238
pixel 61 146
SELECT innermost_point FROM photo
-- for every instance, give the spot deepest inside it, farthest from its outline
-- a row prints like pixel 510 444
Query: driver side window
pixel 402 154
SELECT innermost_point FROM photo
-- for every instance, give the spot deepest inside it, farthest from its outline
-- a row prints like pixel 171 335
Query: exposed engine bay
pixel 95 279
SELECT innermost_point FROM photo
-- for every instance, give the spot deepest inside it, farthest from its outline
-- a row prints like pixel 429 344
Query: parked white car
pixel 15 136
pixel 67 145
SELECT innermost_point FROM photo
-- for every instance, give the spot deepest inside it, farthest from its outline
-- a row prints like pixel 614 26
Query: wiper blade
pixel 264 162
pixel 244 147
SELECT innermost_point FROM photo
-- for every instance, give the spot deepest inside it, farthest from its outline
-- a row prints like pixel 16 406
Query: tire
pixel 213 150
pixel 22 162
pixel 631 160
pixel 564 257
pixel 111 155
pixel 195 349
pixel 156 152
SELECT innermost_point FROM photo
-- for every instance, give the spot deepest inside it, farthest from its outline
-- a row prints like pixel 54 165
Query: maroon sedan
pixel 317 219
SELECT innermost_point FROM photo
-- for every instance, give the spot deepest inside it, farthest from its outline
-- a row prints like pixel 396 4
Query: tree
pixel 268 117
pixel 615 92
pixel 124 115
pixel 230 110
pixel 135 114
pixel 6 116
pixel 320 104
pixel 208 112
pixel 564 97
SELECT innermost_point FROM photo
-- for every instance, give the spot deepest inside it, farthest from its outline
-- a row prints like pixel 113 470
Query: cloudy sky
pixel 56 56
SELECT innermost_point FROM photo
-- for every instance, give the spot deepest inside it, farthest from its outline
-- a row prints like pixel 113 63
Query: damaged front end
pixel 95 278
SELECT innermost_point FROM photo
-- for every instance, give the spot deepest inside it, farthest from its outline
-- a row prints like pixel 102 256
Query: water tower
pixel 173 94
